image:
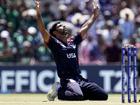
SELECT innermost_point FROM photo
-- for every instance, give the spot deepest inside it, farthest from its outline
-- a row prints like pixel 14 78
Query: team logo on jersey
pixel 71 55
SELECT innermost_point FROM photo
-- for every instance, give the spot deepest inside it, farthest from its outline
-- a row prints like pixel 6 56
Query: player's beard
pixel 66 32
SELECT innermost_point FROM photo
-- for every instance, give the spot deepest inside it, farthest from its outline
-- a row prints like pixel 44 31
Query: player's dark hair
pixel 53 28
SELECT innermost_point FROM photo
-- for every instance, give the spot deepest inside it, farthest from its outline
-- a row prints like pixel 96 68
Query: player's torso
pixel 67 53
pixel 66 57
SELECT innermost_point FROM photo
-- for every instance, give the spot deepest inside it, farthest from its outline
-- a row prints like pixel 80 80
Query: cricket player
pixel 64 48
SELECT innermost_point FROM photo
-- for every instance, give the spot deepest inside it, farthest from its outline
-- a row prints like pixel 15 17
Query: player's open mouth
pixel 66 32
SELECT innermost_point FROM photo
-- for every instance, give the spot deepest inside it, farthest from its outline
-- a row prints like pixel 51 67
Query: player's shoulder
pixel 51 42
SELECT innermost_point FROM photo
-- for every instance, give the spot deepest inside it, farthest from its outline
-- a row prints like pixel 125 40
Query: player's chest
pixel 69 51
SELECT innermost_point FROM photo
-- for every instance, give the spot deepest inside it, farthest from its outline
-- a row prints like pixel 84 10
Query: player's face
pixel 62 31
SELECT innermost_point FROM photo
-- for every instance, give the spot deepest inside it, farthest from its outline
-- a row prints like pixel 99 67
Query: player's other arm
pixel 40 22
pixel 91 20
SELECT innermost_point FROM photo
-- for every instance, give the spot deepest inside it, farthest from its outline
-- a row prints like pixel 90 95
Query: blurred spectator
pixel 113 52
pixel 47 15
pixel 27 54
pixel 126 24
pixel 85 49
pixel 6 45
pixel 90 52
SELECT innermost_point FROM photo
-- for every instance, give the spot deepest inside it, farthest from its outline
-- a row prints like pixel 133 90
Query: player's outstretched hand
pixel 37 3
pixel 96 7
pixel 95 4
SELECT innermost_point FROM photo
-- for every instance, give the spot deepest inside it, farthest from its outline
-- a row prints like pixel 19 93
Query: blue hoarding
pixel 38 79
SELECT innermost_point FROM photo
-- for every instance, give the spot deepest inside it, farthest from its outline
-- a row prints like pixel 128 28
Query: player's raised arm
pixel 40 22
pixel 91 20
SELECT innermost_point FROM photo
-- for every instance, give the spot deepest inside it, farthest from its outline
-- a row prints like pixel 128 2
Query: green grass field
pixel 40 99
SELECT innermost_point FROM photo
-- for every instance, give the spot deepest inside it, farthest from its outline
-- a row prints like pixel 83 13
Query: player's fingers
pixel 37 2
pixel 95 4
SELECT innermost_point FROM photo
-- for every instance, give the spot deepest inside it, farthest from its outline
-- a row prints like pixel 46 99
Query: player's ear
pixel 55 33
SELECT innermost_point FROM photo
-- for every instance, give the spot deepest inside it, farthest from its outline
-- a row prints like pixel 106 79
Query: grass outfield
pixel 40 99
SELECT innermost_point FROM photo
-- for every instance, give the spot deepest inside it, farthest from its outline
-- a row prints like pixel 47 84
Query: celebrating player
pixel 64 48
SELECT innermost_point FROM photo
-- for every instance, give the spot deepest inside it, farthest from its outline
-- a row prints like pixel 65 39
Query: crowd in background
pixel 21 42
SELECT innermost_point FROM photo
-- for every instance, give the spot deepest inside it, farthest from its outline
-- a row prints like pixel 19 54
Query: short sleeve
pixel 78 39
